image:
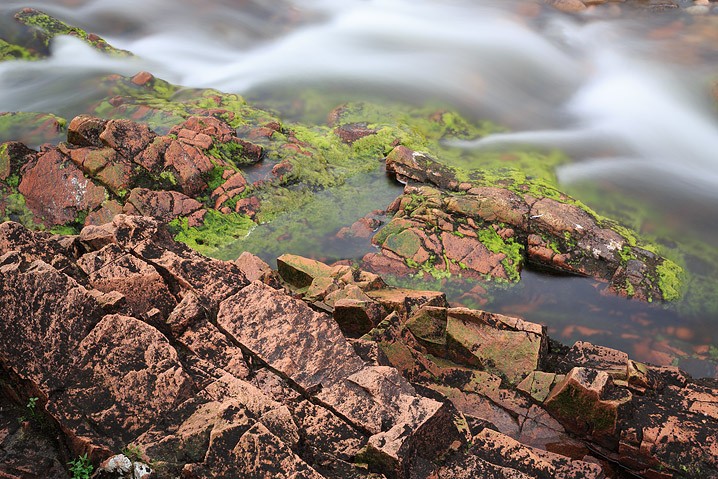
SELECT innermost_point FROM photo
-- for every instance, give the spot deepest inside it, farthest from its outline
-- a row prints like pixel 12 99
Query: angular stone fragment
pixel 113 269
pixel 85 130
pixel 357 317
pixel 299 271
pixel 127 137
pixel 587 402
pixel 406 301
pixel 514 348
pixel 305 346
pixel 587 355
pixel 126 376
pixel 175 262
pixel 44 314
pixel 500 449
pixel 254 269
pixel 539 384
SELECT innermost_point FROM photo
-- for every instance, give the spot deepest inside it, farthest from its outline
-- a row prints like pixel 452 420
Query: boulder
pixel 57 191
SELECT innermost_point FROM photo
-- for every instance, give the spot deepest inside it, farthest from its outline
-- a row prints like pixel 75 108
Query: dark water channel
pixel 625 94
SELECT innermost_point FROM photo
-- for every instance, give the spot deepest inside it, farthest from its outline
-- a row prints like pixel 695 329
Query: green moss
pixel 65 230
pixel 406 243
pixel 168 177
pixel 9 51
pixel 218 230
pixel 670 280
pixel 514 251
pixel 590 416
pixel 17 210
pixel 430 268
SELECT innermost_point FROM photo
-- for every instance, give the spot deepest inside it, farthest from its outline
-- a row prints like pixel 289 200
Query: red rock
pixel 355 317
pixel 406 301
pixel 409 165
pixel 85 130
pixel 152 157
pixel 306 346
pixel 190 165
pixel 498 448
pixel 105 214
pixel 588 355
pixel 351 132
pixel 112 269
pixel 207 125
pixel 57 191
pixel 142 78
pixel 163 205
pixel 254 269
pixel 281 169
pixel 42 329
pixel 127 137
pixel 587 402
pixel 491 204
pixel 251 153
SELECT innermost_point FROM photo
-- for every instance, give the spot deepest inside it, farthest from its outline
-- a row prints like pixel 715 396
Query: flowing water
pixel 625 94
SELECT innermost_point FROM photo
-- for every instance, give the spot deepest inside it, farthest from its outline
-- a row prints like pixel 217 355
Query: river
pixel 625 94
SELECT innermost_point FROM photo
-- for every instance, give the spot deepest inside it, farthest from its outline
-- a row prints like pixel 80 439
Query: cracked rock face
pixel 213 369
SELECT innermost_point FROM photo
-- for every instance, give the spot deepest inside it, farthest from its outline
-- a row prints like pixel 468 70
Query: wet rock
pixel 163 205
pixel 190 165
pixel 210 375
pixel 57 191
pixel 271 325
pixel 356 317
pixel 179 265
pixel 32 128
pixel 127 137
pixel 589 355
pixel 492 342
pixel 351 132
pixel 444 227
pixel 408 165
pixel 498 448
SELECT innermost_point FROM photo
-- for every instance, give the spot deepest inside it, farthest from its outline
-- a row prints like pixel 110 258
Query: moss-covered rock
pixel 449 220
pixel 45 28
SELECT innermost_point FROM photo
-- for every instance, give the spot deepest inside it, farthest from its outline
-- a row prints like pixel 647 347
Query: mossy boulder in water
pixel 28 37
pixel 449 221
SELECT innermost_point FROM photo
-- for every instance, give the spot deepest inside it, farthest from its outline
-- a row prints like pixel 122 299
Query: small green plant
pixel 81 468
pixel 31 412
pixel 133 453
pixel 31 402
